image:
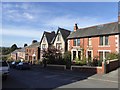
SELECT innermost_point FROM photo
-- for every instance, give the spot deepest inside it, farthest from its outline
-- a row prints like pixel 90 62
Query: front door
pixel 74 55
pixel 89 55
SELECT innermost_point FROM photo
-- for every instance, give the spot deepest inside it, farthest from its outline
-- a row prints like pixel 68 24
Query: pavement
pixel 110 77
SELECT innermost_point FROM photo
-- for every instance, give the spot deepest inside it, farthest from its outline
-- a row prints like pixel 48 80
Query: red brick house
pixel 32 52
pixel 94 41
pixel 18 54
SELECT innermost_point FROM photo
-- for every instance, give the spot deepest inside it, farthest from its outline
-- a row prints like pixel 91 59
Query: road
pixel 46 78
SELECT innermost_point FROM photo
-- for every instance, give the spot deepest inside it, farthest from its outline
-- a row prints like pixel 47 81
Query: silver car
pixel 4 69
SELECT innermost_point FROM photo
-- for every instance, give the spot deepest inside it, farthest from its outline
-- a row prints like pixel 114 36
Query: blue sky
pixel 24 21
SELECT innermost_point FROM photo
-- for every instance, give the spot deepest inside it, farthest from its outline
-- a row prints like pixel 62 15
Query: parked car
pixel 23 66
pixel 13 64
pixel 4 69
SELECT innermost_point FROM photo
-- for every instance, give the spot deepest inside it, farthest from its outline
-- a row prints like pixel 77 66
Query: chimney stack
pixel 75 27
pixel 34 41
pixel 53 32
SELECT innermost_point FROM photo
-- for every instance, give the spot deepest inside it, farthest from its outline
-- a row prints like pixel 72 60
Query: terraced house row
pixel 94 41
pixel 89 42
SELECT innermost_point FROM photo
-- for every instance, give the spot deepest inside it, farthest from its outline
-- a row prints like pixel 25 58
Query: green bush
pixel 67 55
pixel 83 62
pixel 67 59
pixel 80 62
pixel 99 62
pixel 77 61
pixel 112 56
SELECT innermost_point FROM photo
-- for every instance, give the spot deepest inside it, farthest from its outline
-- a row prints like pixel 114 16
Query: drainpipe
pixel 83 46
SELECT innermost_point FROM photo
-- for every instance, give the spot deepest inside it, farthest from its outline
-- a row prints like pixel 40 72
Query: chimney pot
pixel 75 27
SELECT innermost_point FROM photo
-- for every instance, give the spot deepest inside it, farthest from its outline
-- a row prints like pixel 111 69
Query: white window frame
pixel 104 42
pixel 76 53
pixel 104 52
pixel 59 44
pixel 89 41
pixel 91 54
pixel 44 46
pixel 76 42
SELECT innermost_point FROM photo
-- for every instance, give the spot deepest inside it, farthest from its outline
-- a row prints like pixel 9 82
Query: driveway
pixel 45 78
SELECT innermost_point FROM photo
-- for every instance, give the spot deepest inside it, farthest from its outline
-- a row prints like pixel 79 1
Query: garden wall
pixel 87 69
pixel 112 65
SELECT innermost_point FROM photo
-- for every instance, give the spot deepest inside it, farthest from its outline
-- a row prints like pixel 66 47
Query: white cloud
pixel 28 15
pixel 22 33
pixel 15 5
pixel 10 15
pixel 22 11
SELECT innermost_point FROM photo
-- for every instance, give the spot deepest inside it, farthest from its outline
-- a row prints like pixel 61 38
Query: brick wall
pixel 112 65
pixel 95 45
pixel 87 69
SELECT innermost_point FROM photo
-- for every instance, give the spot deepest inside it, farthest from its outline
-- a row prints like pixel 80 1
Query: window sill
pixel 104 46
pixel 89 46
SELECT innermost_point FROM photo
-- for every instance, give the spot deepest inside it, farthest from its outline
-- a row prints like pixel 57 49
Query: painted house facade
pixel 46 41
pixel 94 41
pixel 14 55
pixel 32 52
pixel 60 40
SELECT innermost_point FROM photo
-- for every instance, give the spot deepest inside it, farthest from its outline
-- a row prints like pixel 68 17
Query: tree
pixel 13 47
pixel 52 55
pixel 5 50
pixel 25 45
pixel 67 58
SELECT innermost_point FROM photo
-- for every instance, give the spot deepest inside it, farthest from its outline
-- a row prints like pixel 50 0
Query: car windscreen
pixel 4 64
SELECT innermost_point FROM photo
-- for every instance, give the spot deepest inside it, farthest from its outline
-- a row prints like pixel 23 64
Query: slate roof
pixel 37 44
pixel 18 50
pixel 98 30
pixel 64 32
pixel 21 50
pixel 14 52
pixel 49 37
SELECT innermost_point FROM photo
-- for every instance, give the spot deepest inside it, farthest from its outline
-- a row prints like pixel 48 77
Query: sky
pixel 23 22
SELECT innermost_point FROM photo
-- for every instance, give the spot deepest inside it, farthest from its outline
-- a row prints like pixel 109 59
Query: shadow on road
pixel 39 77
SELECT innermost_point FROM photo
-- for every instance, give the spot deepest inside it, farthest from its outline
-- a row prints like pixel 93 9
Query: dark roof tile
pixel 104 29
